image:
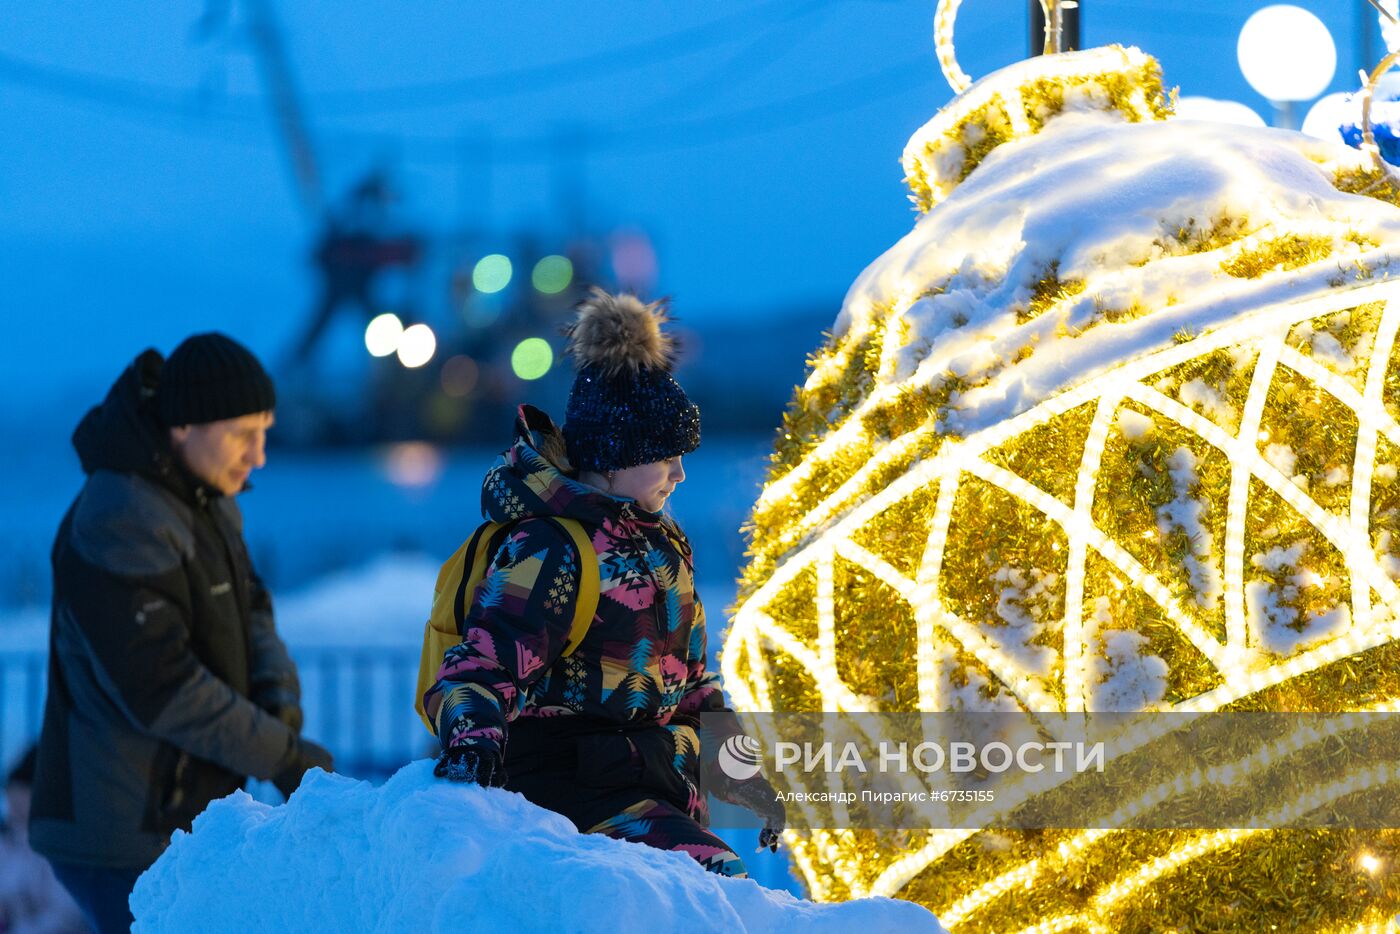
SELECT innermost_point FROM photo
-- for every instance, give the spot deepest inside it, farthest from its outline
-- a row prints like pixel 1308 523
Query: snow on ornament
pixel 1114 427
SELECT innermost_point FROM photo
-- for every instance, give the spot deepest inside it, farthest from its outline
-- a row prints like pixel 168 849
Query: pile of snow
pixel 420 854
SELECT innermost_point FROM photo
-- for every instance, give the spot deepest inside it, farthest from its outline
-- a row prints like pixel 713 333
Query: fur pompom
pixel 619 332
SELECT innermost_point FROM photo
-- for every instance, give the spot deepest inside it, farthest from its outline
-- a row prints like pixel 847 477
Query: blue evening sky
pixel 145 191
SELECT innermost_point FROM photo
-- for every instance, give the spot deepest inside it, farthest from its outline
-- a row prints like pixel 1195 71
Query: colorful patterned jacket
pixel 642 662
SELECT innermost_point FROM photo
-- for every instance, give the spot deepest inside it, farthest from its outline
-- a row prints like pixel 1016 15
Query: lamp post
pixel 1067 12
pixel 1287 55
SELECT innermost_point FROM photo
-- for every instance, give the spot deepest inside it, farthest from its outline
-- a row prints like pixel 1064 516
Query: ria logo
pixel 740 757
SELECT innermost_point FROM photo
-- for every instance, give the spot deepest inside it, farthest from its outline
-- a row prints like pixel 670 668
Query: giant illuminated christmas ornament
pixel 1114 427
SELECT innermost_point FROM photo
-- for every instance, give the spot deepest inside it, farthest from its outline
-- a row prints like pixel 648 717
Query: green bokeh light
pixel 532 358
pixel 491 273
pixel 552 274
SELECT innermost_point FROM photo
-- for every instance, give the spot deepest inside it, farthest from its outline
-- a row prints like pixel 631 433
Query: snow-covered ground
pixel 381 603
pixel 419 854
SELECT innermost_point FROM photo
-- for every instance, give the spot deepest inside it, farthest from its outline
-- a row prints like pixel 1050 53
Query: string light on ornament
pixel 1129 885
pixel 1232 774
pixel 850 433
pixel 1076 675
pixel 945 16
pixel 1055 925
pixel 1366 438
pixel 1359 780
pixel 943 19
pixel 1386 926
pixel 822 671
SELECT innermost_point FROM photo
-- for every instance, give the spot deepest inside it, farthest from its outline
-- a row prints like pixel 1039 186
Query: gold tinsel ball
pixel 1114 427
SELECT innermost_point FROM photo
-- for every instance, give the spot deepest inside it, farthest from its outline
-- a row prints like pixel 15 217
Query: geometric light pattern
pixel 1209 524
pixel 1245 668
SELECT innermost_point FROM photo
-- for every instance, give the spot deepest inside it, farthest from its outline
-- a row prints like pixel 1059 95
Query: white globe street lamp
pixel 1326 117
pixel 1287 55
pixel 1217 111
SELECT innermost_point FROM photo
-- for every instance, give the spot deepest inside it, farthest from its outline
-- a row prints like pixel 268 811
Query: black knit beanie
pixel 625 407
pixel 209 378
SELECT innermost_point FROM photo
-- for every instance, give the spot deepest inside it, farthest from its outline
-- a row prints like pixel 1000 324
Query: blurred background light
pixel 491 273
pixel 532 358
pixel 459 376
pixel 552 274
pixel 382 334
pixel 633 260
pixel 417 345
pixel 413 464
pixel 1286 53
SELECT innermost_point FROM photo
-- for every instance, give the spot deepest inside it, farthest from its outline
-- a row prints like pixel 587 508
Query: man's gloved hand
pixel 279 702
pixel 761 798
pixel 289 714
pixel 305 756
pixel 471 765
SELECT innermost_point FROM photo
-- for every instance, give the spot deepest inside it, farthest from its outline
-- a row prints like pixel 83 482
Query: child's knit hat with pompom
pixel 625 408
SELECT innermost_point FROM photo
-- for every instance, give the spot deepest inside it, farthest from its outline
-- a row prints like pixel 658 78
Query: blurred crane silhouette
pixel 354 244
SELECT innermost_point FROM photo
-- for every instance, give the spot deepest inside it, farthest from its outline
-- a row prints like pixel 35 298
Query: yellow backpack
pixel 456 588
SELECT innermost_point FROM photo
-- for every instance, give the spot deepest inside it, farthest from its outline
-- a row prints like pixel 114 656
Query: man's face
pixel 224 453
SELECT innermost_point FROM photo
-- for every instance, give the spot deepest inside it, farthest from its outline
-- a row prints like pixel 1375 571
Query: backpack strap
pixel 471 561
pixel 481 550
pixel 456 583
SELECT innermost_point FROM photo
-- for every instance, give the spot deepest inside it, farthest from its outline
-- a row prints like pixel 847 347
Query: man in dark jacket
pixel 168 684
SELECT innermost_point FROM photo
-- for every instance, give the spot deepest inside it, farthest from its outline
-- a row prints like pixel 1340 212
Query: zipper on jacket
pixel 634 535
pixel 177 789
